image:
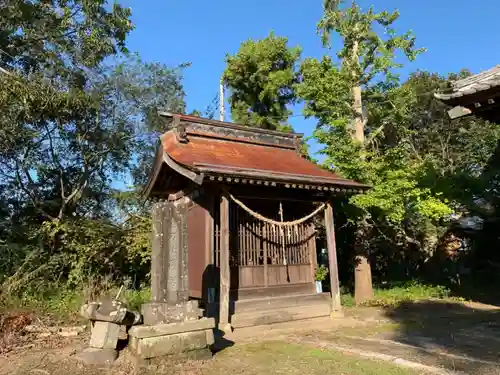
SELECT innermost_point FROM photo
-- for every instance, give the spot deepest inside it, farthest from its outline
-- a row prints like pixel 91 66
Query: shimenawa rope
pixel 274 222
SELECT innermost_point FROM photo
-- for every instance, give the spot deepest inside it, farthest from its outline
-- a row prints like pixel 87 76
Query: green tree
pixel 366 57
pixel 61 37
pixel 71 126
pixel 58 169
pixel 148 88
pixel 260 78
pixel 449 160
pixel 422 165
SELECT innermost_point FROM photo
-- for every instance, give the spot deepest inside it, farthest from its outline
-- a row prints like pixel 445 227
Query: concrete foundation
pixel 170 339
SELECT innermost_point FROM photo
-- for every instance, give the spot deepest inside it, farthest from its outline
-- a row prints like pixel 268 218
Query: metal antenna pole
pixel 222 114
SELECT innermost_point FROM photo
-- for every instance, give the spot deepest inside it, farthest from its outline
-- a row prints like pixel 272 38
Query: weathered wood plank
pixel 209 230
pixel 217 232
pixel 224 266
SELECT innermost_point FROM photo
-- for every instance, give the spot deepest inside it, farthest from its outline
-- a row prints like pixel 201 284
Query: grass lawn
pixel 283 358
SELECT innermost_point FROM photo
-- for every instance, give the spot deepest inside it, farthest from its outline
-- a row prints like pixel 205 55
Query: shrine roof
pixel 208 150
pixel 471 85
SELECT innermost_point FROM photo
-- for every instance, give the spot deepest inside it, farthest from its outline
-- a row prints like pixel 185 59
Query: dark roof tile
pixel 473 84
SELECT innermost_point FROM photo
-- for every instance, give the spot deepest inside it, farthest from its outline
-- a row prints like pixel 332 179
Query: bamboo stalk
pixel 301 237
pixel 283 235
pixel 264 248
pixel 245 239
pixel 241 249
pixel 254 242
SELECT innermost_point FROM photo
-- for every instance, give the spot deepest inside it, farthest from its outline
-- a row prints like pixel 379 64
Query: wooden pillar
pixel 332 259
pixel 209 232
pixel 224 266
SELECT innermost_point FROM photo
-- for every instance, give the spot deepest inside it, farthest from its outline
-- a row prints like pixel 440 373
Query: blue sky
pixel 457 33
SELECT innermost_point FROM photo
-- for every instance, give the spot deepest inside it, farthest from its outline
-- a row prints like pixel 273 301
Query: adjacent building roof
pixel 206 150
pixel 473 84
pixel 478 94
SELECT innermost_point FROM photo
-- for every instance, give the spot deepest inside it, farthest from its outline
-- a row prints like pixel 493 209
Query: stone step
pixel 272 291
pixel 250 305
pixel 279 314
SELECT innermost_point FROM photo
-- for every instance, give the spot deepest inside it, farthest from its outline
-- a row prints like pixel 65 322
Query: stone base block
pixel 161 313
pixel 95 356
pixel 171 339
pixel 193 355
pixel 178 343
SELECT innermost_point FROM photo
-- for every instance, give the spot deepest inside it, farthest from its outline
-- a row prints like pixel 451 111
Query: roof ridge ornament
pixel 179 129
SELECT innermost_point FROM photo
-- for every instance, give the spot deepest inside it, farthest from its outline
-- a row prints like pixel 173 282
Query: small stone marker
pixel 107 319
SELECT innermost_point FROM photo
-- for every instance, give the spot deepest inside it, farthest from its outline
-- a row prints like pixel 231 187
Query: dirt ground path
pixel 456 337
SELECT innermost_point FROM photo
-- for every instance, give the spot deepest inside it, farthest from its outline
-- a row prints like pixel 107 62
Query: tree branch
pixel 31 196
pixel 55 159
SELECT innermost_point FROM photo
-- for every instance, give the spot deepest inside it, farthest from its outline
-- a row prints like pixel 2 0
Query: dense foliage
pixel 260 78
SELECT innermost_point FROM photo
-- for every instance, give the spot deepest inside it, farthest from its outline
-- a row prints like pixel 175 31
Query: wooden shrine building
pixel 240 202
pixel 478 94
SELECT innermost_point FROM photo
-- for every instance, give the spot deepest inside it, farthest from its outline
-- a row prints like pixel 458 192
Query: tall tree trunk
pixel 363 288
pixel 357 106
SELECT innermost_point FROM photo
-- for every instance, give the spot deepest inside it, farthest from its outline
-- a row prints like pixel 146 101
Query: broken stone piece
pixel 104 335
pixel 110 311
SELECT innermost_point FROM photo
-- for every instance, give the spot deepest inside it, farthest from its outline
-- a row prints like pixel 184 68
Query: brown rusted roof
pixel 196 149
pixel 219 155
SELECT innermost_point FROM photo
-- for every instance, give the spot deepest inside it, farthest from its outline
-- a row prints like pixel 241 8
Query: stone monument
pixel 173 324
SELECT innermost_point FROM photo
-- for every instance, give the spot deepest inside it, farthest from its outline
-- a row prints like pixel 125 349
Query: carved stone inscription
pixel 172 261
pixel 169 271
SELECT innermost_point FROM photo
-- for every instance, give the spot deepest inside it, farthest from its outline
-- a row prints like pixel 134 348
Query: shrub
pixel 135 298
pixel 321 273
pixel 394 294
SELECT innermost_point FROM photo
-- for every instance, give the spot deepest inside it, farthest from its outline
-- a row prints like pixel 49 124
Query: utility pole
pixel 222 113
